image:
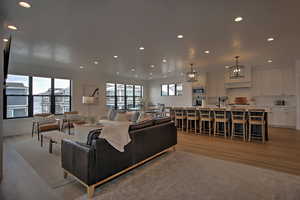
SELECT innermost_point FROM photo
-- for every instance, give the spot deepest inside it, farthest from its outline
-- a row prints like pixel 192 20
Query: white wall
pixel 84 83
pixel 186 99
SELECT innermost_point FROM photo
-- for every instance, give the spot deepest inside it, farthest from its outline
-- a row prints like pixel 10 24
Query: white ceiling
pixel 68 33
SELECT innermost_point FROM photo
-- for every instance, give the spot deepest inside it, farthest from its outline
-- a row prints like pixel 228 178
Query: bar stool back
pixel 238 117
pixel 257 117
pixel 220 118
pixel 180 117
pixel 205 118
pixel 192 116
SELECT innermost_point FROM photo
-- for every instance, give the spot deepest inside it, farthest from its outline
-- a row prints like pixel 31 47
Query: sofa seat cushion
pixel 162 120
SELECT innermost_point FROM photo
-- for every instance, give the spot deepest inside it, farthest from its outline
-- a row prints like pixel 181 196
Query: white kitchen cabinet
pixel 282 117
pixel 271 82
pixel 288 82
pixel 215 85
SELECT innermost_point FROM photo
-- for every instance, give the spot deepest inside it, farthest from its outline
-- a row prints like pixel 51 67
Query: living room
pixel 150 100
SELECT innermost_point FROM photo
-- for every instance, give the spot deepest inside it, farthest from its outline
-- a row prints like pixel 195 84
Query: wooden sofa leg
pixel 65 175
pixel 90 192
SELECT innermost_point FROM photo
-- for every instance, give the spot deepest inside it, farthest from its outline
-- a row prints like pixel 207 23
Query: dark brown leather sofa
pixel 98 163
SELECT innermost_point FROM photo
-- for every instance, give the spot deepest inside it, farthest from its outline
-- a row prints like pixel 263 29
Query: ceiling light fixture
pixel 191 75
pixel 5 40
pixel 179 36
pixel 238 19
pixel 270 61
pixel 81 67
pixel 96 62
pixel 237 70
pixel 165 76
pixel 12 27
pixel 270 39
pixel 115 56
pixel 117 73
pixel 150 73
pixel 24 4
pixel 132 69
pixel 164 60
pixel 227 67
pixel 152 66
pixel 141 48
pixel 207 51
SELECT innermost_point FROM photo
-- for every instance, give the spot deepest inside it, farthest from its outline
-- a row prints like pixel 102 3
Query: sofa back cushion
pixel 140 125
pixel 162 120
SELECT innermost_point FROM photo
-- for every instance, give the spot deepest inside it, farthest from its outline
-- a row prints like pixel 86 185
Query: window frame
pixel 168 89
pixel 30 96
pixel 115 96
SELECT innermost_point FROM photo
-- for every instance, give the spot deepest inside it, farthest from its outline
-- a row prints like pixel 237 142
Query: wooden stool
pixel 238 117
pixel 205 117
pixel 192 116
pixel 180 117
pixel 257 117
pixel 220 118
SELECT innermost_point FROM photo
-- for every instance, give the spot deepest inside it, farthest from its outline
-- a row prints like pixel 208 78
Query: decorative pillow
pixel 113 115
pixel 140 125
pixel 93 135
pixel 135 116
pixel 144 117
pixel 162 120
pixel 121 117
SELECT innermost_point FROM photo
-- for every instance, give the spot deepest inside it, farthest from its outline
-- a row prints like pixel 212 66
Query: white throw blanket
pixel 116 133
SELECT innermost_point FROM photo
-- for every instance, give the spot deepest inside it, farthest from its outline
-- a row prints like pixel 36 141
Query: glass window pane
pixel 18 85
pixel 110 102
pixel 62 104
pixel 41 104
pixel 171 89
pixel 41 86
pixel 129 90
pixel 137 90
pixel 120 89
pixel 179 89
pixel 62 87
pixel 110 89
pixel 129 101
pixel 120 102
pixel 17 106
pixel 164 90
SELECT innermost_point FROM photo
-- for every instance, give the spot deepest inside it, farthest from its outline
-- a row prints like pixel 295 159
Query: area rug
pixel 180 175
pixel 47 166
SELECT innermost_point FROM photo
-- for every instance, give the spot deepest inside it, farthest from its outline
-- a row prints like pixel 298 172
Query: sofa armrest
pixel 79 160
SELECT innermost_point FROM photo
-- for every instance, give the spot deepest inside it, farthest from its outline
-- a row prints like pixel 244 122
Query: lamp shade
pixel 88 100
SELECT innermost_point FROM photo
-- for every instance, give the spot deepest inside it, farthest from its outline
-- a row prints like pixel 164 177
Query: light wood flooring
pixel 280 153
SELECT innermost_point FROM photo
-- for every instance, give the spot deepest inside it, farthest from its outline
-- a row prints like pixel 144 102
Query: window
pixel 16 96
pixel 179 89
pixel 164 90
pixel 172 89
pixel 26 96
pixel 122 96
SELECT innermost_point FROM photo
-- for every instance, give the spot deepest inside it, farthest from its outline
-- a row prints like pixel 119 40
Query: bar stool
pixel 257 117
pixel 180 117
pixel 220 118
pixel 205 118
pixel 192 116
pixel 238 118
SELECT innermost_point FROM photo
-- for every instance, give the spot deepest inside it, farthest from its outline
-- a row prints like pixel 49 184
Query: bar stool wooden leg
pixel 232 131
pixel 263 133
pixel 195 122
pixel 244 129
pixel 250 127
pixel 215 128
pixel 225 130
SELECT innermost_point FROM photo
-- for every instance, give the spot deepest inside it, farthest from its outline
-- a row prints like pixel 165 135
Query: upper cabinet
pixel 273 82
pixel 215 84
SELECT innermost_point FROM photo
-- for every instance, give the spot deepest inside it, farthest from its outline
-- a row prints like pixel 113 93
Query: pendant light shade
pixel 191 76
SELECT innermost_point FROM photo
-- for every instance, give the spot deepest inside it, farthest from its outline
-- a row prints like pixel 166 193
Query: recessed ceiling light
pixel 132 69
pixel 270 61
pixel 270 39
pixel 165 76
pixel 152 66
pixel 5 40
pixel 207 51
pixel 24 4
pixel 164 60
pixel 238 19
pixel 136 75
pixel 150 78
pixel 81 67
pixel 150 73
pixel 115 56
pixel 169 70
pixel 141 48
pixel 226 66
pixel 96 62
pixel 117 73
pixel 12 27
pixel 179 36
